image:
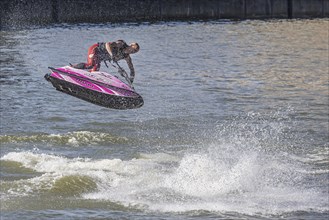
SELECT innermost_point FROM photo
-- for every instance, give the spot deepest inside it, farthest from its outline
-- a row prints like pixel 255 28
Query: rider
pixel 110 51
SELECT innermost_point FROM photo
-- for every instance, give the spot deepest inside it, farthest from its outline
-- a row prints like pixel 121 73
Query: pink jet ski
pixel 99 88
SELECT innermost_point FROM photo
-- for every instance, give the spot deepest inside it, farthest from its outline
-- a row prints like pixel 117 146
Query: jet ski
pixel 97 87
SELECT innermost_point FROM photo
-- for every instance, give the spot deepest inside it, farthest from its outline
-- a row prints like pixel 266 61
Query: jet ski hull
pixel 99 88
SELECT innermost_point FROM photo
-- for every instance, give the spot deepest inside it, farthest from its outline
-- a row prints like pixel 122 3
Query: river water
pixel 234 125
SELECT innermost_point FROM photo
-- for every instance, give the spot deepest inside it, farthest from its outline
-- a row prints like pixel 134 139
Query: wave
pixel 73 185
pixel 250 165
pixel 215 180
pixel 12 170
pixel 71 138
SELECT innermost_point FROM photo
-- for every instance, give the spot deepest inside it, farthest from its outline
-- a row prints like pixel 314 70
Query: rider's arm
pixel 108 48
pixel 131 68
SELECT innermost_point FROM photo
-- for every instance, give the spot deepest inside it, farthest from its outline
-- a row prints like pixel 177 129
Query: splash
pixel 253 165
pixel 216 181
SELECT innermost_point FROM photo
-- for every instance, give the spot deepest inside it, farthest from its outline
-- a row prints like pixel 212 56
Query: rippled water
pixel 234 125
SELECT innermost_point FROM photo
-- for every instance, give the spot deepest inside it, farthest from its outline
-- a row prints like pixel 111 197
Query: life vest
pixel 117 50
pixel 102 52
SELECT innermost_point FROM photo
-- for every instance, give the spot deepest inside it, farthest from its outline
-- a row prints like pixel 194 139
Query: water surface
pixel 234 125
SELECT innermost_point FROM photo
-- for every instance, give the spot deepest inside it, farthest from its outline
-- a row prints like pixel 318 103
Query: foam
pixel 215 179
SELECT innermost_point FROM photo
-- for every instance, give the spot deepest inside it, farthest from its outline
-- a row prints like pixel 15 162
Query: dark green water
pixel 234 125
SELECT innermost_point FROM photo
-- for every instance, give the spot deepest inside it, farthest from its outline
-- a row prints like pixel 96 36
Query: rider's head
pixel 132 48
